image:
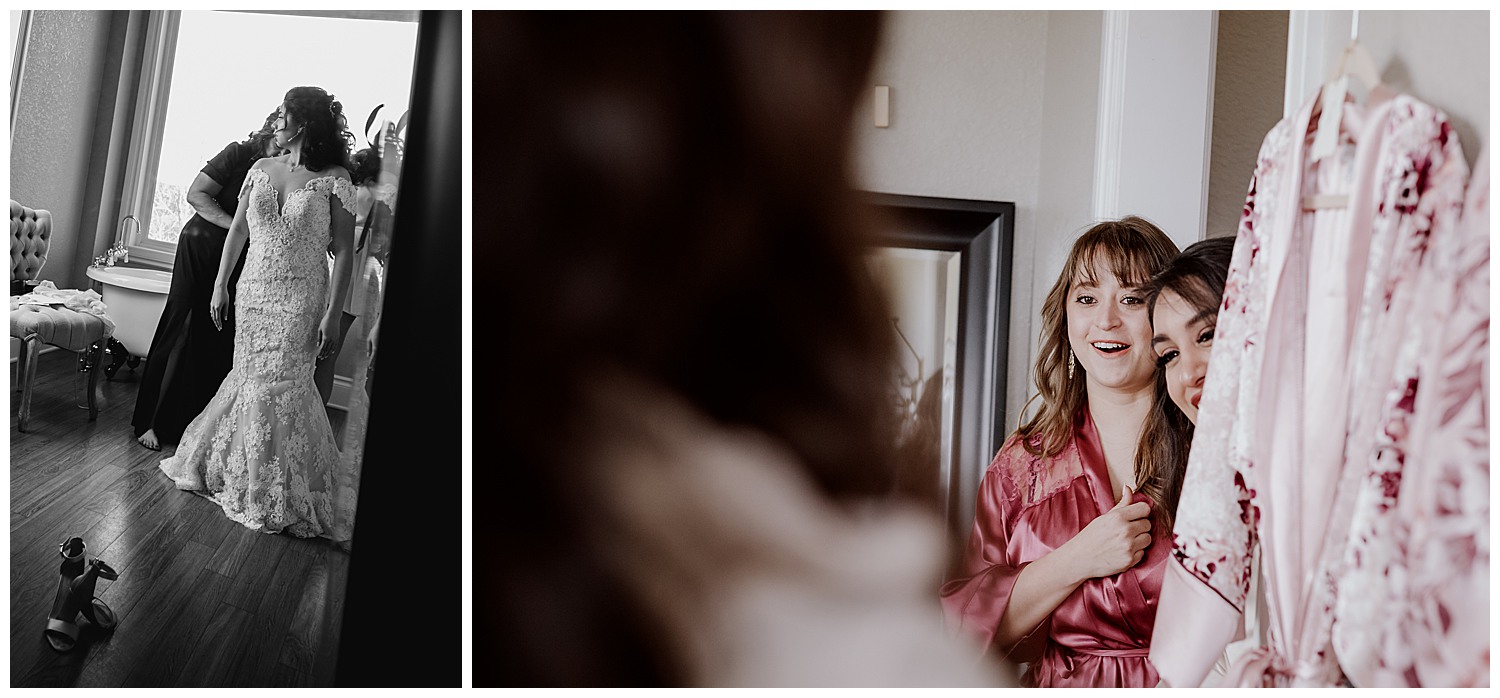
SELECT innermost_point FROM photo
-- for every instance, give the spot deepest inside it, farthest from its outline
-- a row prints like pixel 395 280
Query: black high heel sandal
pixel 92 607
pixel 71 551
pixel 75 596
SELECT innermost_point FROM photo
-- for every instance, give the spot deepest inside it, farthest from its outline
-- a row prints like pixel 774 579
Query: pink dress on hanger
pixel 1028 506
pixel 1304 353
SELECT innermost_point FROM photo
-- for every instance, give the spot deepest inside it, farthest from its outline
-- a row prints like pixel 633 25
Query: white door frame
pixel 1156 82
pixel 1315 38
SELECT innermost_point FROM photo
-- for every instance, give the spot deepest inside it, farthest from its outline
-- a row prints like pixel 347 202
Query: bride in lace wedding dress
pixel 263 449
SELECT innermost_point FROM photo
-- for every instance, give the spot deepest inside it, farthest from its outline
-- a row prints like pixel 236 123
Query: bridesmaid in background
pixel 1184 301
pixel 1073 521
pixel 189 357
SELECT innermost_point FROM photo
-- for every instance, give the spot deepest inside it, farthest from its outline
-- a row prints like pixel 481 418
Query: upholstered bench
pixel 33 325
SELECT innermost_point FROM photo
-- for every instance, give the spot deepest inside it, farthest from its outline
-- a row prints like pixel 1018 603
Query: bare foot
pixel 149 440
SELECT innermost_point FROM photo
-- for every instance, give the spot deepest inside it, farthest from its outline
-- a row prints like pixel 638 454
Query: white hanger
pixel 1355 62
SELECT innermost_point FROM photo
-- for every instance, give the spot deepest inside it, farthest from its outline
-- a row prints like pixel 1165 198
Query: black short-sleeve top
pixel 229 168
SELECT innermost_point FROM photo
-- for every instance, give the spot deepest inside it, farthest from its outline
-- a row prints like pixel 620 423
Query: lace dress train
pixel 263 449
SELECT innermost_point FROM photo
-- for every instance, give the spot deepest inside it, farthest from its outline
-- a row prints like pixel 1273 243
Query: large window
pixel 212 77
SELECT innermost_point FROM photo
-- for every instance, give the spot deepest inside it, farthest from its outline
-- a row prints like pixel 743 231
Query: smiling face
pixel 1184 336
pixel 1110 333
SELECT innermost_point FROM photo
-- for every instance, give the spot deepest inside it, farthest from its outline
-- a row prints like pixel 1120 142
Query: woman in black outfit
pixel 189 357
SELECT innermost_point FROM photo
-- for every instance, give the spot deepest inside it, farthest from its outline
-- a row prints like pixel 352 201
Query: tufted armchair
pixel 30 235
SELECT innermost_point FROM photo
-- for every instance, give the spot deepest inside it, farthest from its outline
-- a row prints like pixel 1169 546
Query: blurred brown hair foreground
pixel 664 197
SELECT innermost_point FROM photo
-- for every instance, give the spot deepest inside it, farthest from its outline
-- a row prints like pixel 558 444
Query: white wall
pixel 966 107
pixel 55 125
pixel 1440 57
pixel 998 106
pixel 1070 108
pixel 1156 110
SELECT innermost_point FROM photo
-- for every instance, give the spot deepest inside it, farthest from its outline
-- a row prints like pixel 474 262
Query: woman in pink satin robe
pixel 1064 562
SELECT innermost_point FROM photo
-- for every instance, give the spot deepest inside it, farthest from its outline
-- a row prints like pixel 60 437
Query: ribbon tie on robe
pixel 1067 655
pixel 1262 666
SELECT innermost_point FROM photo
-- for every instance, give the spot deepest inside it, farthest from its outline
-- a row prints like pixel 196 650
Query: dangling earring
pixel 1070 364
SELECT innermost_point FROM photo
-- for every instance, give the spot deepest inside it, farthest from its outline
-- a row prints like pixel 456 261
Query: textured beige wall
pixel 1249 87
pixel 995 105
pixel 965 110
pixel 54 126
pixel 1070 119
pixel 1440 57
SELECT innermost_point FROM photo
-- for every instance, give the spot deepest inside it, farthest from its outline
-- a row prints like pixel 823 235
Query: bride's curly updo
pixel 326 137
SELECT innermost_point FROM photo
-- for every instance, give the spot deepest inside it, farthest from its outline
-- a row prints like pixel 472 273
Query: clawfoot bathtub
pixel 135 298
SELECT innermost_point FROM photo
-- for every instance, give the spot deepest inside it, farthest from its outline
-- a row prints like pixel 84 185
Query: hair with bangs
pixel 1198 276
pixel 1126 248
pixel 1134 250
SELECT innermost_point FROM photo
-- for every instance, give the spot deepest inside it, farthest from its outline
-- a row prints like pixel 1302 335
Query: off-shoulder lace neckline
pixel 282 200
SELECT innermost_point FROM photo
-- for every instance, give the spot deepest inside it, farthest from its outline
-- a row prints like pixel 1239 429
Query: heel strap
pixel 63 549
pixel 105 571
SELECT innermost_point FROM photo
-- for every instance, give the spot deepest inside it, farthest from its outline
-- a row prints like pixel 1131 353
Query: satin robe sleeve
pixel 975 599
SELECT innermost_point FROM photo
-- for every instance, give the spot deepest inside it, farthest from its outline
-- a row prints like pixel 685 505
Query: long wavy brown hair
pixel 1197 276
pixel 1134 250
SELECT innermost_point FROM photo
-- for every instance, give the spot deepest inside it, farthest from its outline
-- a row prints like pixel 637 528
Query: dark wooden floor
pixel 202 600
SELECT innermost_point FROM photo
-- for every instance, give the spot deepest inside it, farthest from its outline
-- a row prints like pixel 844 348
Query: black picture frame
pixel 982 233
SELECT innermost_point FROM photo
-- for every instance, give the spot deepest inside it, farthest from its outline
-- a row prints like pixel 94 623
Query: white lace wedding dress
pixel 263 449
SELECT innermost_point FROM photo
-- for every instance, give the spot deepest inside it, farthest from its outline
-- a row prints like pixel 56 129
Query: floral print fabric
pixel 1315 343
pixel 1416 573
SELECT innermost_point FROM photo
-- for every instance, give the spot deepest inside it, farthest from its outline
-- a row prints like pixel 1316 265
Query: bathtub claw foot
pixel 119 354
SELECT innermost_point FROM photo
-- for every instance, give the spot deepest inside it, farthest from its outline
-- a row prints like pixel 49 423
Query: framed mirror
pixel 945 265
pixel 113 113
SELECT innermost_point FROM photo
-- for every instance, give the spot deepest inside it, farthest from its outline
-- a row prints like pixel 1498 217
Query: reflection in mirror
pixel 945 265
pixel 922 286
pixel 218 321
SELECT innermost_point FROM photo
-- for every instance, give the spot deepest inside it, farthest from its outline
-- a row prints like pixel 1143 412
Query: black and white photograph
pixel 228 229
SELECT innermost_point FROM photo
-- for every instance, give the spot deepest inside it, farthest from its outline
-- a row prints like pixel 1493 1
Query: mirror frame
pixel 982 233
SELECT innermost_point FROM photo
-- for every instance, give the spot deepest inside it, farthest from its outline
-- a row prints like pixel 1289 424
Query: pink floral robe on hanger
pixel 1305 352
pixel 1413 604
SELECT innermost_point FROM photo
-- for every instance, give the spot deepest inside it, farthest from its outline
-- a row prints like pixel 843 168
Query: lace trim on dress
pixel 340 187
pixel 336 185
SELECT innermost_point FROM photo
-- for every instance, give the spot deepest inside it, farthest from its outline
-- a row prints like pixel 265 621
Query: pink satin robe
pixel 1028 506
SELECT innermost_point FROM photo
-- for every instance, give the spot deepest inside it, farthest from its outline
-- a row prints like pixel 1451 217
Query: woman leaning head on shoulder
pixel 1184 303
